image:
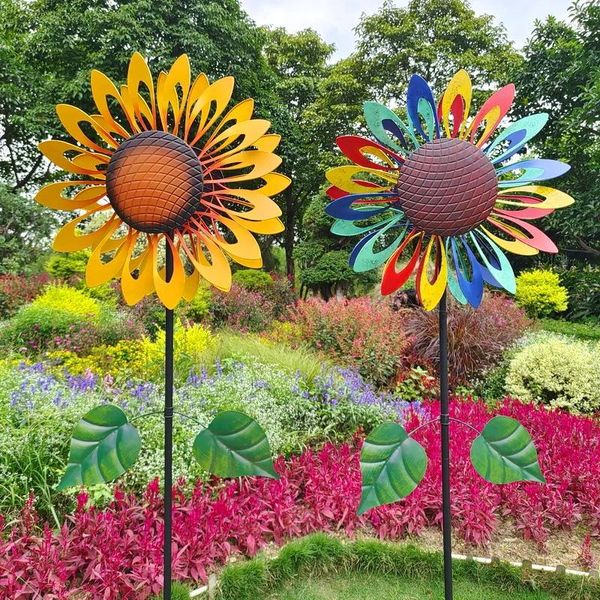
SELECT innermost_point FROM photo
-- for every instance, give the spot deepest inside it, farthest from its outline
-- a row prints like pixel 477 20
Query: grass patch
pixel 178 592
pixel 583 331
pixel 320 567
pixel 384 587
pixel 293 360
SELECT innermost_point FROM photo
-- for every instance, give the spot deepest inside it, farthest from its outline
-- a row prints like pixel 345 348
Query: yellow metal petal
pixel 139 73
pixel 67 240
pixel 215 269
pixel 460 85
pixel 266 227
pixel 178 78
pixel 168 292
pixel 431 292
pixel 275 183
pixel 192 282
pixel 343 178
pixel 239 113
pixel 261 206
pixel 261 163
pixel 245 250
pixel 136 289
pixel 82 164
pixel 99 270
pixel 553 199
pixel 199 86
pixel 51 195
pixel 243 134
pixel 514 246
pixel 102 89
pixel 268 143
pixel 71 117
pixel 218 93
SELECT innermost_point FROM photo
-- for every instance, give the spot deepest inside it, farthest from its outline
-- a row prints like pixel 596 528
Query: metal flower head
pixel 441 197
pixel 162 165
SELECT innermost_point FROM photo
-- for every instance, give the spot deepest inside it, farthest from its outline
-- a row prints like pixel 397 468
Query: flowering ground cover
pixel 41 405
pixel 115 552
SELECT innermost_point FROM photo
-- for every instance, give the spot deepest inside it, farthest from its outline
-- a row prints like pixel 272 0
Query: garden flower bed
pixel 115 552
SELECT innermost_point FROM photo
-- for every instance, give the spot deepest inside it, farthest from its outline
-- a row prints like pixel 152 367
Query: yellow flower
pixel 170 174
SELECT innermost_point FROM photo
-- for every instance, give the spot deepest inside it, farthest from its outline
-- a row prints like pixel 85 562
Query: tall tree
pixel 561 76
pixel 49 47
pixel 299 61
pixel 433 38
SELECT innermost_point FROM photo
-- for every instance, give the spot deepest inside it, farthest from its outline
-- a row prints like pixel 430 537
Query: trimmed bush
pixel 539 292
pixel 558 371
pixel 322 555
pixel 61 317
pixel 252 279
pixel 64 266
pixel 583 285
pixel 584 331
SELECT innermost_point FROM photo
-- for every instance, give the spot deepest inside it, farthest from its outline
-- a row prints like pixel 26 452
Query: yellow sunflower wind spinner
pixel 161 166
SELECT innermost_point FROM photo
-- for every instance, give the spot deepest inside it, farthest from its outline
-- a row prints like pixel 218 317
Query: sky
pixel 336 19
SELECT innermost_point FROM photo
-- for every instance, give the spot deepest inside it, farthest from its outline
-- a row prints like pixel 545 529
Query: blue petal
pixel 420 103
pixel 473 289
pixel 342 207
pixel 539 169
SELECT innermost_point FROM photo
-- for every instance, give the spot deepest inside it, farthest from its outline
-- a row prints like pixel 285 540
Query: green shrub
pixel 199 307
pixel 557 371
pixel 252 279
pixel 583 285
pixel 63 298
pixel 66 265
pixel 584 331
pixel 66 318
pixel 539 292
pixel 61 316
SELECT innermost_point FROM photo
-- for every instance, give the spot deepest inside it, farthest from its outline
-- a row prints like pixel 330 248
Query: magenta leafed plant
pixel 116 553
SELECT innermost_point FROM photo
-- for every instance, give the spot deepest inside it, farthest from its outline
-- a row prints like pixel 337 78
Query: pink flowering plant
pixel 116 552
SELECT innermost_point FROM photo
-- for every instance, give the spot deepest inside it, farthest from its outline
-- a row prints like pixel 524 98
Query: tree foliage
pixel 24 232
pixel 434 38
pixel 50 46
pixel 561 76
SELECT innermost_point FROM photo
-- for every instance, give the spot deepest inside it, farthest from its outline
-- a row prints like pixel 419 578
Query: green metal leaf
pixel 104 445
pixel 504 453
pixel 234 445
pixel 392 466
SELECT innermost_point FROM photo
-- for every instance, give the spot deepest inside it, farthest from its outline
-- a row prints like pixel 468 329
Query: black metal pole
pixel 168 478
pixel 445 427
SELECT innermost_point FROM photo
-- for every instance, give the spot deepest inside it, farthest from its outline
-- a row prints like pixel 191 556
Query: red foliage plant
pixel 476 337
pixel 116 553
pixel 360 332
pixel 241 309
pixel 17 290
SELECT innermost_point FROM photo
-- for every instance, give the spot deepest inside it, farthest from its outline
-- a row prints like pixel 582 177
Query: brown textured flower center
pixel 447 187
pixel 154 182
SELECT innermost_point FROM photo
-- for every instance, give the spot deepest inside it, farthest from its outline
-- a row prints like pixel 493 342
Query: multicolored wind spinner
pixel 441 197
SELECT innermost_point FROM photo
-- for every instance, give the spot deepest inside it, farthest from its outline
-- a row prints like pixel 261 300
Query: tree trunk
pixel 288 237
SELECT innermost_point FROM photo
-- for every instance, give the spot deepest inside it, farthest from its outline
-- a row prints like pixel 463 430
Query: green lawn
pixel 382 587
